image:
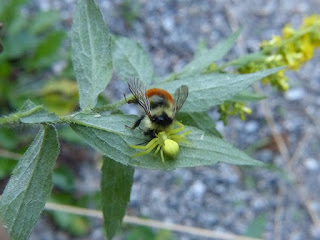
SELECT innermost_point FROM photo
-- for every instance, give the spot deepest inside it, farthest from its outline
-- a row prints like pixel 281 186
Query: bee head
pixel 162 120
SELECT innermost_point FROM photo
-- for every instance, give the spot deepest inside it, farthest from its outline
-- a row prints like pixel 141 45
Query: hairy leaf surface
pixel 91 52
pixel 207 90
pixel 207 57
pixel 110 136
pixel 130 60
pixel 30 185
pixel 116 182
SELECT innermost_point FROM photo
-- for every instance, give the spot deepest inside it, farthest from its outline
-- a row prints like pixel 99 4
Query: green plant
pixel 292 49
pixel 96 55
pixel 32 44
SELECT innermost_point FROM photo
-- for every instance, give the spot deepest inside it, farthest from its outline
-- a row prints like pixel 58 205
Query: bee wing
pixel 180 97
pixel 138 90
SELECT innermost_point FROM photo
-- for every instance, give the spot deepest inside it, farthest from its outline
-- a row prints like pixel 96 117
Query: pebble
pixel 295 94
pixel 315 232
pixel 251 126
pixel 311 164
pixel 197 189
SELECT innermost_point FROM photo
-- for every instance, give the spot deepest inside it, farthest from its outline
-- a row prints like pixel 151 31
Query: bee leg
pixel 136 124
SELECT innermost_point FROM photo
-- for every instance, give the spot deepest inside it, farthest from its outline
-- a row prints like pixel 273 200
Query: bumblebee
pixel 160 108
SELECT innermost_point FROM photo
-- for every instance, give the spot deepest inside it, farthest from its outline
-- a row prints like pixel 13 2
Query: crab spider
pixel 165 141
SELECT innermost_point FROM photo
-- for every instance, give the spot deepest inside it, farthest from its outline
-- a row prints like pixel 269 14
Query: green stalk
pixel 13 118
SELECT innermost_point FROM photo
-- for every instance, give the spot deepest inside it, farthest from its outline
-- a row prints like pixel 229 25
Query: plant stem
pixel 13 118
pixel 110 107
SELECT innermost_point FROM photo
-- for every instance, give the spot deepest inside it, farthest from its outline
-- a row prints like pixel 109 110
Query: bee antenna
pixel 125 97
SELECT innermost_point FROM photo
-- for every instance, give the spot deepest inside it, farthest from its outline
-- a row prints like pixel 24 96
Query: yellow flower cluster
pixel 229 108
pixel 292 49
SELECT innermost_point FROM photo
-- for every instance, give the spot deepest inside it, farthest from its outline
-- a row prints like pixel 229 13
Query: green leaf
pixel 1 49
pixel 39 114
pixel 30 185
pixel 63 178
pixel 141 233
pixel 130 60
pixel 47 51
pixel 210 56
pixel 17 25
pixel 9 139
pixel 6 167
pixel 110 136
pixel 43 20
pixel 245 60
pixel 91 52
pixel 200 120
pixel 163 234
pixel 248 97
pixel 201 48
pixel 207 90
pixel 257 226
pixel 30 113
pixel 116 182
pixel 19 44
pixel 9 9
pixel 74 224
pixel 68 135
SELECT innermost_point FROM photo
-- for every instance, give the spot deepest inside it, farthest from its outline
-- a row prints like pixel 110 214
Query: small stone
pixel 315 232
pixel 295 94
pixel 311 164
pixel 197 190
pixel 251 126
pixel 168 24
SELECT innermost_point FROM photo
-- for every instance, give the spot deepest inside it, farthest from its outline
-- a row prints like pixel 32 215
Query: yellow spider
pixel 165 141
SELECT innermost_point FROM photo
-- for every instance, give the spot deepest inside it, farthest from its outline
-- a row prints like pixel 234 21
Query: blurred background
pixel 280 202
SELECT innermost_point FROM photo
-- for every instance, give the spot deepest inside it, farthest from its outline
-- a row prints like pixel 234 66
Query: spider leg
pixel 161 154
pixel 157 150
pixel 180 138
pixel 145 152
pixel 182 135
pixel 176 130
pixel 146 146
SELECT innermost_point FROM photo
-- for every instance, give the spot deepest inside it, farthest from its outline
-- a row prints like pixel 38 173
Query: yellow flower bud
pixel 171 148
pixel 312 20
pixel 288 31
pixel 246 110
pixel 283 84
pixel 275 41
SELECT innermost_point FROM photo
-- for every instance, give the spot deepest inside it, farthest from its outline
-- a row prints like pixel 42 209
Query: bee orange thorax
pixel 160 92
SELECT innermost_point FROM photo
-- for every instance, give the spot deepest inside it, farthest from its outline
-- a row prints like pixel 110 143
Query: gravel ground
pixel 224 197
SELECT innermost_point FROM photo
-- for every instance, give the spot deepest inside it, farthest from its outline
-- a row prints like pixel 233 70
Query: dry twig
pixel 284 152
pixel 200 232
